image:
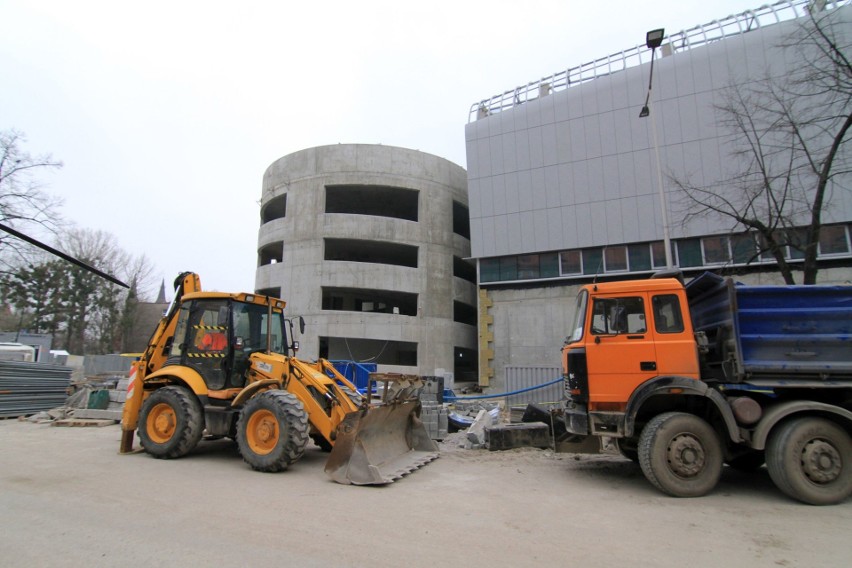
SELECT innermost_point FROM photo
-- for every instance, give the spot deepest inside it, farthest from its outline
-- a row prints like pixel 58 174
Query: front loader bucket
pixel 379 444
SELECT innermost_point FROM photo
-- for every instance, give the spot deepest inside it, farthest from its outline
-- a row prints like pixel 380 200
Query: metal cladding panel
pixel 519 378
pixel 778 331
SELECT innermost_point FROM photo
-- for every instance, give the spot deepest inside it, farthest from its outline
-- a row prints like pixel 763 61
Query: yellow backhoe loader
pixel 219 365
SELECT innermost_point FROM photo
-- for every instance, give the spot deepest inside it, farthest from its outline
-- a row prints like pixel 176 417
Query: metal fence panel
pixel 27 388
pixel 518 378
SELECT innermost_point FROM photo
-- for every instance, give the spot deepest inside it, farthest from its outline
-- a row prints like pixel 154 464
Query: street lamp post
pixel 653 40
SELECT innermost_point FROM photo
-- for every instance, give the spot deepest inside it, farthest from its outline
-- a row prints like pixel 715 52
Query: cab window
pixel 579 317
pixel 612 316
pixel 667 315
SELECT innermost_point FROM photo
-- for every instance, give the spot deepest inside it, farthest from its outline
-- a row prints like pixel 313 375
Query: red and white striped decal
pixel 131 383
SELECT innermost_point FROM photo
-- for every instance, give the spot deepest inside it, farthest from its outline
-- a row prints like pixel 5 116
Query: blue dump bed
pixel 799 333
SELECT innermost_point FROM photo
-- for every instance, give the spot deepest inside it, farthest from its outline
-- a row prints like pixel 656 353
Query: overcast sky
pixel 167 113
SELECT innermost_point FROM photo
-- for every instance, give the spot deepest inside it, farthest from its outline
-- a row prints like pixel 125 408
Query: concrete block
pixel 433 387
pixel 509 436
pixel 476 431
pixel 117 395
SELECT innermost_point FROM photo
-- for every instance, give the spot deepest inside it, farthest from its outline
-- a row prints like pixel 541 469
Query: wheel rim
pixel 262 432
pixel 685 455
pixel 161 423
pixel 821 461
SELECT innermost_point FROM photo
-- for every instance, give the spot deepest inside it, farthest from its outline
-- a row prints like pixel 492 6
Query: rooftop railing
pixel 681 41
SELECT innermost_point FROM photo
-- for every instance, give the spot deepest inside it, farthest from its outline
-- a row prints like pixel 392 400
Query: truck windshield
pixel 579 317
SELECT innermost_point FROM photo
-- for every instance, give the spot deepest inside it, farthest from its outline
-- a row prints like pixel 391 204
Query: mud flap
pixel 379 444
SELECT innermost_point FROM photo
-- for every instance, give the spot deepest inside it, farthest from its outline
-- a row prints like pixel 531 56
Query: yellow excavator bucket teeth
pixel 379 444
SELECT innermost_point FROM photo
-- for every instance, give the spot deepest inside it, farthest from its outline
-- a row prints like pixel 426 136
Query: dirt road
pixel 68 499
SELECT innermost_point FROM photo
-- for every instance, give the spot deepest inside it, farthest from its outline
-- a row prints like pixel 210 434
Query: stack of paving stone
pixel 107 407
pixel 432 413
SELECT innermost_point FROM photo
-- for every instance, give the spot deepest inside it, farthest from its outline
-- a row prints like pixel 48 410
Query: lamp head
pixel 654 38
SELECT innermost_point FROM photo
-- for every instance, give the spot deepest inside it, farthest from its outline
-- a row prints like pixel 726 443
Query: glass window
pixel 593 261
pixel 743 247
pixel 611 316
pixel 579 317
pixel 658 253
pixel 571 262
pixel 549 265
pixel 206 328
pixel 796 240
pixel 250 328
pixel 509 268
pixel 716 250
pixel 667 314
pixel 489 270
pixel 527 266
pixel 832 240
pixel 616 258
pixel 640 257
pixel 689 253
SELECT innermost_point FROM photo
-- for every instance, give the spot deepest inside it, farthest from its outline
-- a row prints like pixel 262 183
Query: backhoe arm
pixel 152 359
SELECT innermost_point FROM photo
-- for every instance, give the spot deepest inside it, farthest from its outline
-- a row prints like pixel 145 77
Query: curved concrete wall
pixel 291 254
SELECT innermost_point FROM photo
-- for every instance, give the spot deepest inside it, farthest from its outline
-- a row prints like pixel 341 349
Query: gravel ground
pixel 69 499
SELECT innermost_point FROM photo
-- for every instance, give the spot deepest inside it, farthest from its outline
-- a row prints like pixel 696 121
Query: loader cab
pixel 216 335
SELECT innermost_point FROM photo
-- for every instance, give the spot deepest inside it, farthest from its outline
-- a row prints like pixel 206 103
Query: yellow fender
pixel 254 388
pixel 186 375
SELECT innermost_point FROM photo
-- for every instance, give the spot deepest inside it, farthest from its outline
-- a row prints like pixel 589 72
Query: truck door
pixel 675 342
pixel 620 350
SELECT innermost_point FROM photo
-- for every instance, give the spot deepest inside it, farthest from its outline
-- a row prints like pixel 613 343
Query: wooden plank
pixel 84 422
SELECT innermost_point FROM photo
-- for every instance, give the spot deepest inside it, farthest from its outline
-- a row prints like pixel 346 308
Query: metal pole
pixel 663 209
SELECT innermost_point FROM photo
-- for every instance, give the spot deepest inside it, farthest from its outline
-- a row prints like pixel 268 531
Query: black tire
pixel 628 447
pixel 171 422
pixel 810 460
pixel 680 454
pixel 272 432
pixel 748 462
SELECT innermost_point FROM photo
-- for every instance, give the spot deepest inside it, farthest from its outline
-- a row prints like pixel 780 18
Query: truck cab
pixel 624 334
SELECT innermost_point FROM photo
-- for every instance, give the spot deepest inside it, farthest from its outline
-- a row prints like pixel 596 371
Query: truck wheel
pixel 810 460
pixel 171 422
pixel 272 431
pixel 680 454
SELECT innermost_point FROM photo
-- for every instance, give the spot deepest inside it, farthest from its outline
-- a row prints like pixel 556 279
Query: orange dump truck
pixel 687 378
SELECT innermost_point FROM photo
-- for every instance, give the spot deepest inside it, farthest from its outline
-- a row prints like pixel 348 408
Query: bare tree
pixel 790 131
pixel 23 202
pixel 84 312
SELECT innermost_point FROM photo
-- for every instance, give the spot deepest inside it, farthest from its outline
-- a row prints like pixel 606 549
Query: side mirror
pixel 301 324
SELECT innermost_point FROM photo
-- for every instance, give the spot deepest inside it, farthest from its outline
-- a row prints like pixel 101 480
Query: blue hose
pixel 505 394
